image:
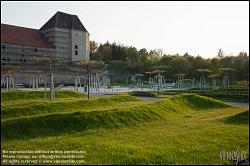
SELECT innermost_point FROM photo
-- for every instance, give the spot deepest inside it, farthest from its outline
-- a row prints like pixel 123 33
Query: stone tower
pixel 68 35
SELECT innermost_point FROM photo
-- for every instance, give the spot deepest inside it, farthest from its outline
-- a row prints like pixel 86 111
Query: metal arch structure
pixel 49 76
pixel 43 59
pixel 226 80
pixel 35 80
pixel 77 81
pixel 159 80
pixel 150 80
pixel 203 72
pixel 139 81
pixel 180 79
pixel 78 67
pixel 92 80
pixel 95 80
pixel 8 79
pixel 213 77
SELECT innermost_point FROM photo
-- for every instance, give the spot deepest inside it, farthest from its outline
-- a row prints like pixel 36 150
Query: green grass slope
pixel 239 118
pixel 22 95
pixel 183 129
pixel 67 117
pixel 197 102
pixel 41 108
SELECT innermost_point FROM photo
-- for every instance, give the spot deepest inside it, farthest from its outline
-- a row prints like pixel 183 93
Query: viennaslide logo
pixel 234 155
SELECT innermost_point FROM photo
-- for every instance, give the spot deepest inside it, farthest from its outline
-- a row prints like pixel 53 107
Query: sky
pixel 199 28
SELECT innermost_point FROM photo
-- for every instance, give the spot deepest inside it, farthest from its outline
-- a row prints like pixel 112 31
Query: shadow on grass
pixel 240 118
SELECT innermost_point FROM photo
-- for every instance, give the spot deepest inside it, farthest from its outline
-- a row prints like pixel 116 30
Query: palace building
pixel 63 36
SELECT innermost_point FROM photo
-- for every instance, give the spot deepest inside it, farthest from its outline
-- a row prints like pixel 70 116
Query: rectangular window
pixel 4 58
pixel 3 46
pixel 76 46
pixel 35 49
pixel 8 59
pixel 76 52
pixel 21 59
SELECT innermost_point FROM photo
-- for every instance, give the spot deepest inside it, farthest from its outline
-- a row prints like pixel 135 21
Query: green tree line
pixel 130 60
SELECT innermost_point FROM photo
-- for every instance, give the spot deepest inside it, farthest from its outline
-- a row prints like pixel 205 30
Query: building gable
pixel 64 20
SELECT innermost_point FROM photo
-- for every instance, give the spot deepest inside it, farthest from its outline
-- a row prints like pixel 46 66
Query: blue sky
pixel 176 27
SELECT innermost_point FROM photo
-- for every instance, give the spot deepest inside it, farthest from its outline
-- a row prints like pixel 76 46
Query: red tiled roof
pixel 23 36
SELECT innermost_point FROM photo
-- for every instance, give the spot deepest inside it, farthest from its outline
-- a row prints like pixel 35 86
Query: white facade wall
pixel 65 42
pixel 81 40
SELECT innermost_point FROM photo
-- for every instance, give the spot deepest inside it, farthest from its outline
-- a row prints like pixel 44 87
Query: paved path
pixel 243 105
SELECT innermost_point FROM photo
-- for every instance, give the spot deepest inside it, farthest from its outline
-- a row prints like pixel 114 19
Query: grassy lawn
pixel 122 129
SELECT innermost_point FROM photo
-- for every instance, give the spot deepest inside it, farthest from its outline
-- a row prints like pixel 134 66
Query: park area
pixel 142 83
pixel 125 128
pixel 125 113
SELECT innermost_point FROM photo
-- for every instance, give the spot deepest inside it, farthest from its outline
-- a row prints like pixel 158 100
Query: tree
pixel 105 52
pixel 94 54
pixel 181 65
pixel 143 53
pixel 241 64
pixel 93 46
pixel 129 60
pixel 220 53
pixel 186 54
pixel 215 64
pixel 132 54
pixel 159 51
pixel 155 55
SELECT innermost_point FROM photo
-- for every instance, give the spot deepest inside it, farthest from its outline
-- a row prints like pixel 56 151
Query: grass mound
pixel 69 106
pixel 57 124
pixel 198 102
pixel 21 95
pixel 240 118
pixel 75 118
